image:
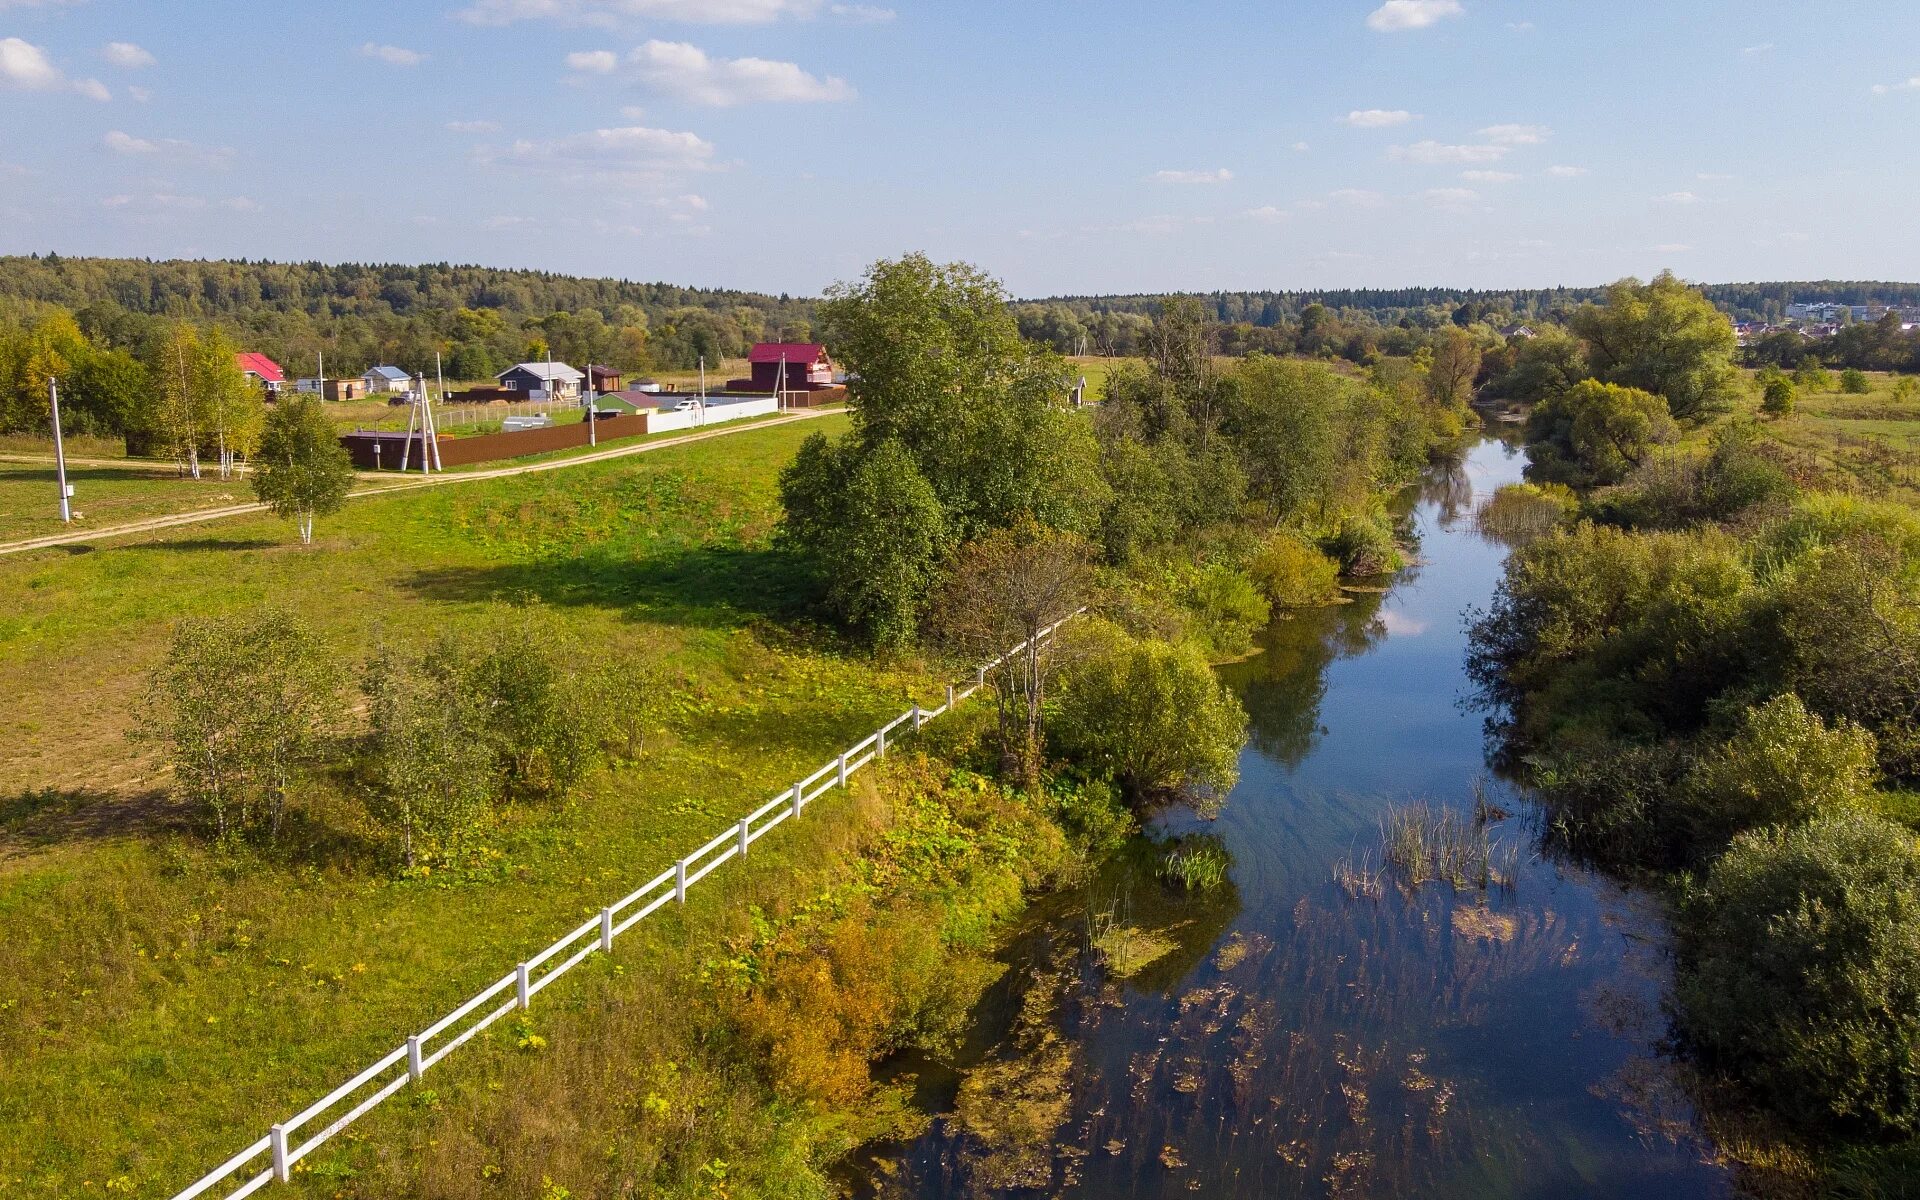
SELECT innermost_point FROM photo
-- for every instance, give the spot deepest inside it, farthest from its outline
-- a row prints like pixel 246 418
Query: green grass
pixel 1870 442
pixel 162 1002
pixel 103 496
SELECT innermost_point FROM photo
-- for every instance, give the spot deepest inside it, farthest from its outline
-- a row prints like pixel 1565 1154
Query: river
pixel 1296 1036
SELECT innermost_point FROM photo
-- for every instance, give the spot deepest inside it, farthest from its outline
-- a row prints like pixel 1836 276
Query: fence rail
pixel 281 1148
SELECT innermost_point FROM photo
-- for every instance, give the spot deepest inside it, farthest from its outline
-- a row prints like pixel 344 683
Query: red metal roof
pixel 260 365
pixel 793 352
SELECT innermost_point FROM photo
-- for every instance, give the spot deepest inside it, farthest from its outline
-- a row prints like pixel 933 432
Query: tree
pixel 1545 365
pixel 1597 432
pixel 106 393
pixel 428 764
pixel 1662 337
pixel 240 705
pixel 543 721
pixel 180 412
pixel 304 471
pixel 1784 766
pixel 235 407
pixel 1149 715
pixel 1003 590
pixel 1854 382
pixel 1776 397
pixel 1456 363
pixel 1799 971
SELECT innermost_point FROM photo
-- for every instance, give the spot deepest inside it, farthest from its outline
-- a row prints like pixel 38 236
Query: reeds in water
pixel 1427 843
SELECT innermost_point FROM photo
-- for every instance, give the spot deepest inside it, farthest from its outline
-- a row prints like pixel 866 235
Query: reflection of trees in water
pixel 1448 488
pixel 1283 687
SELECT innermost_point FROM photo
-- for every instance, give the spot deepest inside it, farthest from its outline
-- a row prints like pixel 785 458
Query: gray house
pixel 540 381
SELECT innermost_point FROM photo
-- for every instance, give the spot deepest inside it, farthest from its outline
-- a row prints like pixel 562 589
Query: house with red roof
pixel 806 365
pixel 261 370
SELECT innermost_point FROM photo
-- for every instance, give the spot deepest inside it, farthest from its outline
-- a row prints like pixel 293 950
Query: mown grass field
pixel 103 496
pixel 162 1001
pixel 1872 438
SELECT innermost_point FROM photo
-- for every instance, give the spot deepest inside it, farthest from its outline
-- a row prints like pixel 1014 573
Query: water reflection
pixel 1281 1035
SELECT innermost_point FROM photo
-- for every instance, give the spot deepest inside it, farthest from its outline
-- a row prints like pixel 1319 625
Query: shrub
pixel 1227 610
pixel 1800 971
pixel 1363 546
pixel 1785 765
pixel 541 718
pixel 1777 398
pixel 1150 716
pixel 1293 574
pixel 1597 432
pixel 1854 382
pixel 427 764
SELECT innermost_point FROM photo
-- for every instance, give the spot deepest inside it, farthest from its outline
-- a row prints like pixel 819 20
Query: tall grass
pixel 1196 868
pixel 1427 843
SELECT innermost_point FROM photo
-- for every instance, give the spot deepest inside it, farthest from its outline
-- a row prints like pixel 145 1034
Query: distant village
pixel 1823 320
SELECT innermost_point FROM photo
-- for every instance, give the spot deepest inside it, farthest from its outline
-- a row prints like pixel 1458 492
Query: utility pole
pixel 593 435
pixel 323 375
pixel 703 389
pixel 60 454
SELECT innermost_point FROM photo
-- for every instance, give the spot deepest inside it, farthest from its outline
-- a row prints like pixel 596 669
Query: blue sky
pixel 1066 145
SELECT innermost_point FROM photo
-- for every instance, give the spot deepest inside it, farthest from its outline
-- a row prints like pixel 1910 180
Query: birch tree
pixel 180 414
pixel 234 406
pixel 303 470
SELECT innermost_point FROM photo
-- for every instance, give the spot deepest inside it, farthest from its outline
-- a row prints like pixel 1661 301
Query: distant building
pixel 387 379
pixel 603 379
pixel 542 381
pixel 346 389
pixel 1517 331
pixel 806 365
pixel 263 371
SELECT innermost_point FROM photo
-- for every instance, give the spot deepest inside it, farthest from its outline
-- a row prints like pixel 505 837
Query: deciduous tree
pixel 304 471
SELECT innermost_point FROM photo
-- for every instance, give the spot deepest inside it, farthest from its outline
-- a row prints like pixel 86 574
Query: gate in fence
pixel 272 1157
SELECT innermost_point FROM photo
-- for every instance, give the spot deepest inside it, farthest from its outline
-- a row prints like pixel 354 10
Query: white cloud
pixel 1432 153
pixel 1516 135
pixel 1451 197
pixel 1910 85
pixel 1396 16
pixel 128 55
pixel 1378 118
pixel 25 67
pixel 615 12
pixel 1488 176
pixel 687 72
pixel 1267 214
pixel 1520 26
pixel 625 151
pixel 1672 248
pixel 172 149
pixel 474 126
pixel 1565 172
pixel 1220 176
pixel 593 62
pixel 393 56
pixel 1712 177
pixel 1357 198
pixel 1762 48
pixel 862 14
pixel 155 203
pixel 1301 147
pixel 1678 198
pixel 139 94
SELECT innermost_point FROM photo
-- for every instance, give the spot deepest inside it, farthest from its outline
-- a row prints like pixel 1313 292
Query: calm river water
pixel 1303 1040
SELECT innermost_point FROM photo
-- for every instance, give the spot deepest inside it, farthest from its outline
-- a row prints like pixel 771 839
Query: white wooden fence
pixel 272 1157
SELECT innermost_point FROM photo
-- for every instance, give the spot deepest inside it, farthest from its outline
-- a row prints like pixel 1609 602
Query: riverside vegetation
pixel 1708 662
pixel 371 770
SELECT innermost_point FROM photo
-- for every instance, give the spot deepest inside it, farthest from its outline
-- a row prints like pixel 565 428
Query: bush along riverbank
pixel 1711 669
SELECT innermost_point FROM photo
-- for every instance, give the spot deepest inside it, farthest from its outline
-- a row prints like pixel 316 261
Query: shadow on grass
pixel 713 587
pixel 42 817
pixel 214 543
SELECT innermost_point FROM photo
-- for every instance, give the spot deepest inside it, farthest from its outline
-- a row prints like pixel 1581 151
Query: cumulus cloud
pixel 1516 135
pixel 1488 176
pixel 862 14
pixel 1220 176
pixel 1301 147
pixel 393 56
pixel 1378 118
pixel 1566 172
pixel 1267 214
pixel 616 12
pixel 138 93
pixel 1908 85
pixel 127 55
pixel 1432 153
pixel 127 145
pixel 25 67
pixel 689 73
pixel 1396 16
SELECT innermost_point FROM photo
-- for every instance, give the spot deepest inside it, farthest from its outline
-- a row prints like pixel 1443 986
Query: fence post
pixel 880 743
pixel 916 716
pixel 799 798
pixel 522 987
pixel 606 930
pixel 746 829
pixel 949 697
pixel 843 770
pixel 680 881
pixel 980 677
pixel 278 1136
pixel 414 1068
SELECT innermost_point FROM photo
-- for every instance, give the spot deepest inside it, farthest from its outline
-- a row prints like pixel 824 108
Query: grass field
pixel 1871 440
pixel 162 1002
pixel 103 496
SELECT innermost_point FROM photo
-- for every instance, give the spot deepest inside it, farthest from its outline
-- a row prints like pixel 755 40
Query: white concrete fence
pixel 272 1157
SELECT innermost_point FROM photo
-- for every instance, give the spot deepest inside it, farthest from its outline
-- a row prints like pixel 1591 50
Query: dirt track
pixel 153 524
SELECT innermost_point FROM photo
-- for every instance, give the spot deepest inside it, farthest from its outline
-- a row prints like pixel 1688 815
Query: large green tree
pixel 1595 433
pixel 303 471
pixel 1663 337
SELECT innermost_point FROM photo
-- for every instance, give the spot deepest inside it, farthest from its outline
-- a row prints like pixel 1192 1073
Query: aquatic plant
pixel 1430 843
pixel 1195 868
